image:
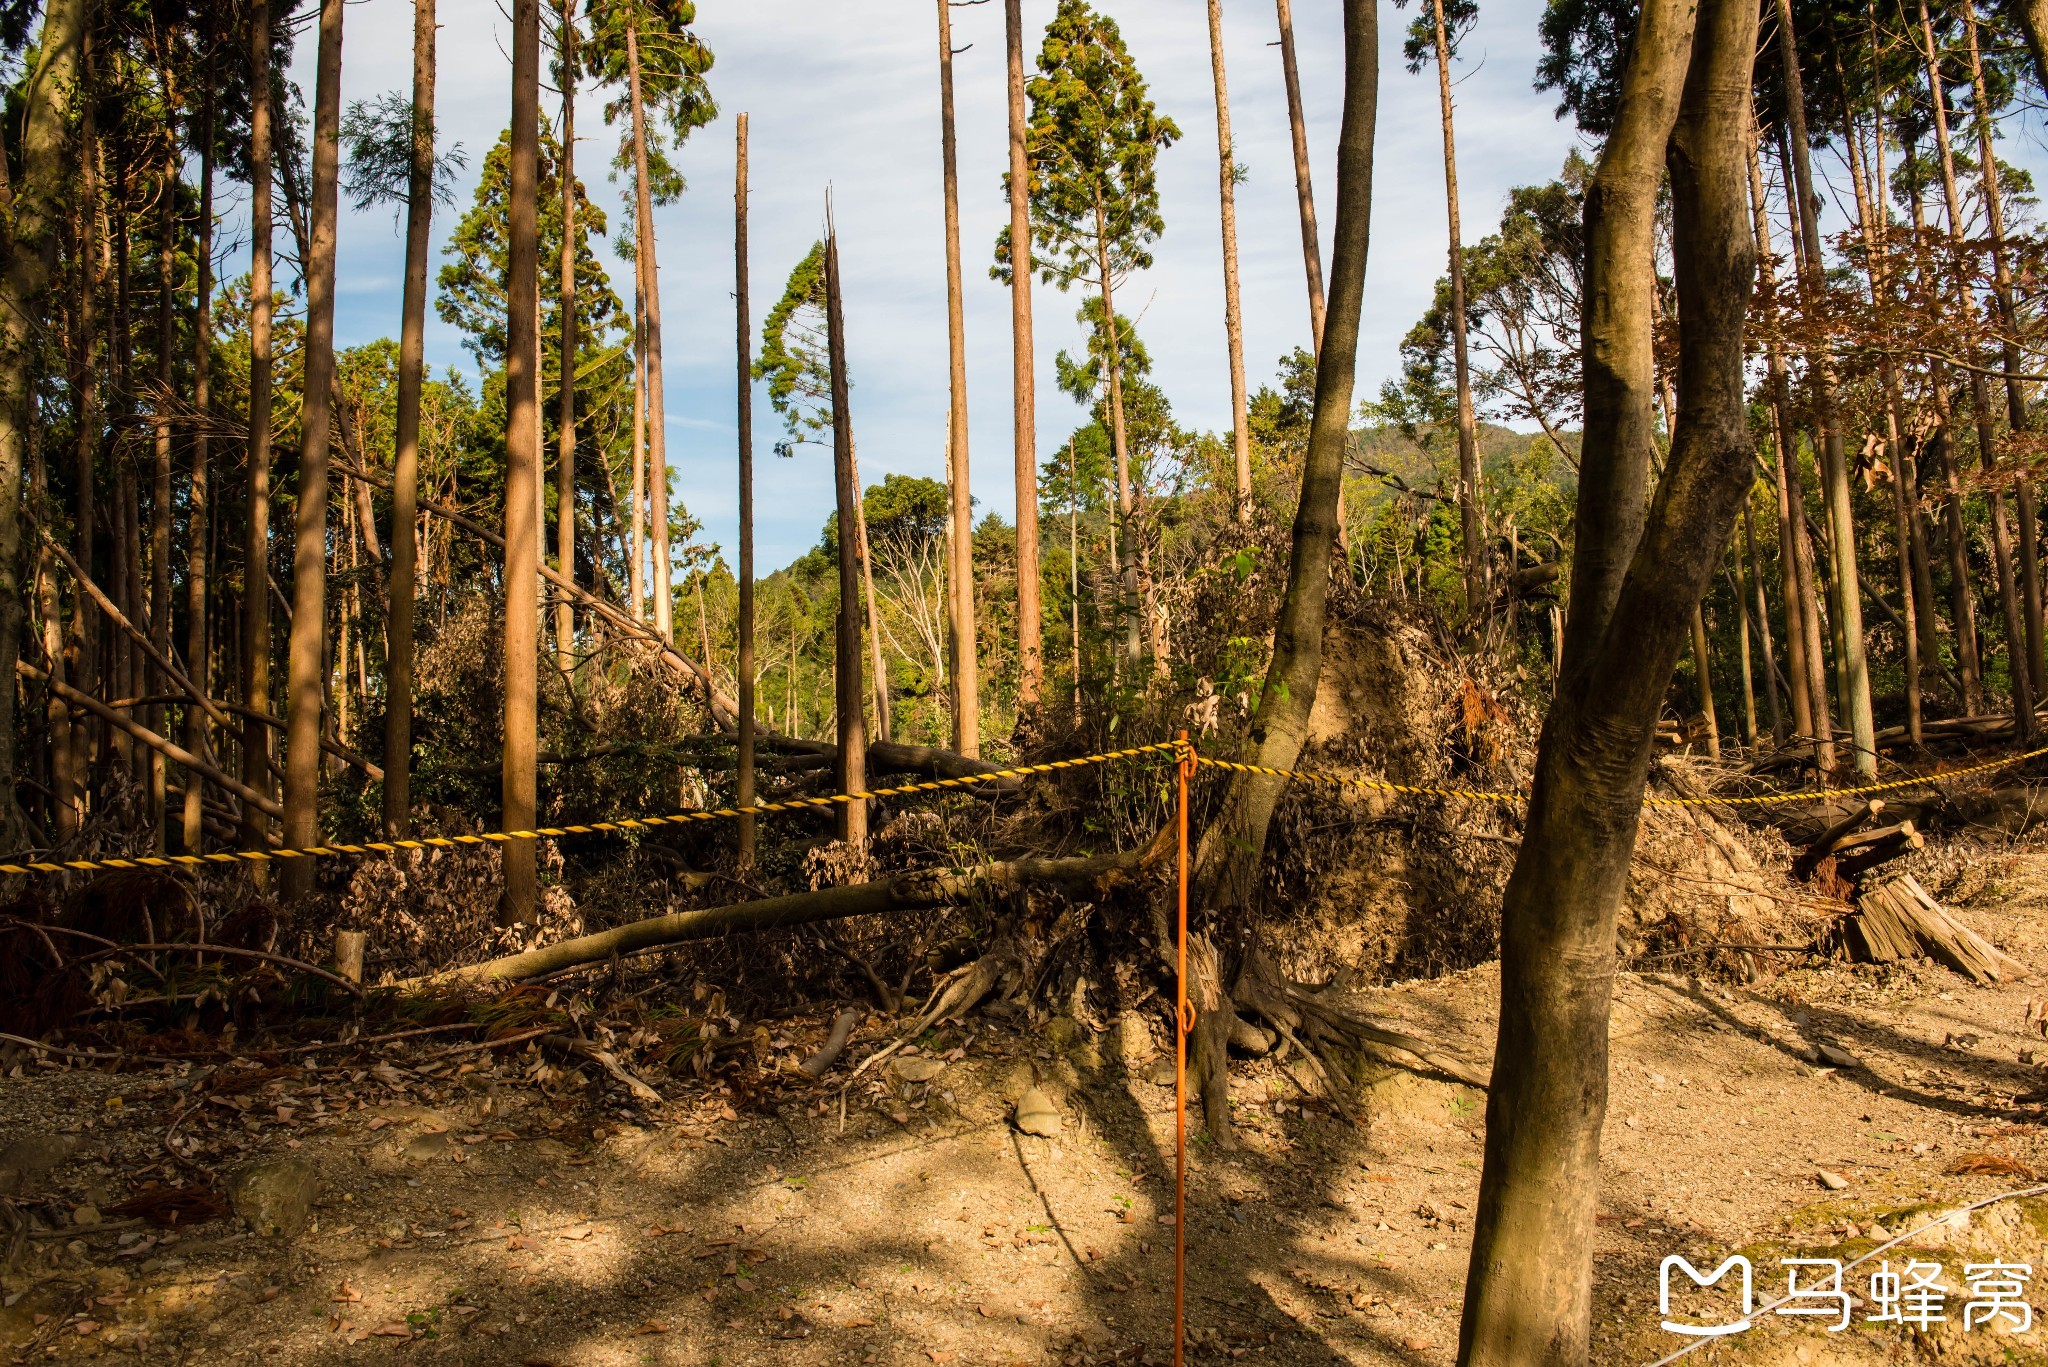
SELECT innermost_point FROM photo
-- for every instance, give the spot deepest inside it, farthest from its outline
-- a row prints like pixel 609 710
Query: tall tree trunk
pixel 1795 571
pixel 36 205
pixel 198 524
pixel 256 541
pixel 2015 389
pixel 1074 573
pixel 1128 611
pixel 1468 428
pixel 1228 855
pixel 1304 190
pixel 1852 668
pixel 1980 399
pixel 2031 18
pixel 405 469
pixel 961 643
pixel 744 683
pixel 85 659
pixel 160 475
pixel 518 781
pixel 1749 724
pixel 1703 677
pixel 1763 623
pixel 650 293
pixel 1233 320
pixel 636 566
pixel 306 658
pixel 872 605
pixel 850 767
pixel 1528 1292
pixel 565 468
pixel 1023 380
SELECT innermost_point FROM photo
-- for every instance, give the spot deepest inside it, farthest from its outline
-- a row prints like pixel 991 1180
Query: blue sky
pixel 845 93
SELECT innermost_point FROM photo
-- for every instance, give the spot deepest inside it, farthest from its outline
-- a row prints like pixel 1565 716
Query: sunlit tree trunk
pixel 1233 321
pixel 1980 399
pixel 1469 517
pixel 405 470
pixel 1023 380
pixel 2015 389
pixel 1851 666
pixel 34 208
pixel 518 781
pixel 636 566
pixel 1128 610
pixel 306 657
pixel 1304 190
pixel 256 542
pixel 1703 677
pixel 850 767
pixel 1645 560
pixel 160 479
pixel 964 662
pixel 650 294
pixel 565 459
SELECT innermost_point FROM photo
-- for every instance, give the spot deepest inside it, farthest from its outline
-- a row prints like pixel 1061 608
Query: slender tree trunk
pixel 1852 669
pixel 2017 418
pixel 565 468
pixel 256 541
pixel 405 470
pixel 36 205
pixel 2032 17
pixel 1228 854
pixel 520 796
pixel 636 566
pixel 306 658
pixel 1763 624
pixel 1980 400
pixel 872 605
pixel 1074 572
pixel 1233 320
pixel 1749 721
pixel 1468 428
pixel 160 481
pixel 961 646
pixel 744 684
pixel 850 767
pixel 1528 1295
pixel 650 293
pixel 1802 633
pixel 1119 448
pixel 85 658
pixel 1023 380
pixel 1304 190
pixel 198 525
pixel 1703 676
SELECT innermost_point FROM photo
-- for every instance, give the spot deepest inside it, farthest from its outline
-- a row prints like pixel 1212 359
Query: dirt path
pixel 473 1215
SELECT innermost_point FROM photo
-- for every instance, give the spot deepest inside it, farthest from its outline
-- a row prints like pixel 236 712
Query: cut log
pixel 906 892
pixel 1830 839
pixel 1903 839
pixel 1898 920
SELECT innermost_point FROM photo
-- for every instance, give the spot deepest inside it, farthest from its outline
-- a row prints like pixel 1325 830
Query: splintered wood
pixel 1898 920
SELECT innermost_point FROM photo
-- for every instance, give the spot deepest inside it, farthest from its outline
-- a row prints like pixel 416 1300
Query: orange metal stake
pixel 1183 1022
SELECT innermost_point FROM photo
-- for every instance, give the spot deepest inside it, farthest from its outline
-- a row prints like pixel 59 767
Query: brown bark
pixel 33 208
pixel 565 458
pixel 2017 417
pixel 1304 190
pixel 160 470
pixel 871 605
pixel 650 292
pixel 1228 854
pixel 198 534
pixel 1023 381
pixel 1126 507
pixel 1851 667
pixel 1233 320
pixel 1468 428
pixel 405 468
pixel 1528 1291
pixel 518 784
pixel 850 769
pixel 2001 532
pixel 306 662
pixel 744 668
pixel 636 563
pixel 256 541
pixel 961 647
pixel 1703 678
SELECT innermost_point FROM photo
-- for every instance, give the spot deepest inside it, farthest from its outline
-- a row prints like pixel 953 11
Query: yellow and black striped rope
pixel 174 861
pixel 1761 799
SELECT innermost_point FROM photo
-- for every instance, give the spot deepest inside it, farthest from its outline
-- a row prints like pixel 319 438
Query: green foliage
pixel 1281 417
pixel 674 62
pixel 794 359
pixel 379 137
pixel 1418 48
pixel 1093 141
pixel 1585 46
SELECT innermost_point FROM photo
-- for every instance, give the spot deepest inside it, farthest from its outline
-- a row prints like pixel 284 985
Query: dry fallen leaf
pixel 577 1234
pixel 392 1331
pixel 652 1327
pixel 1990 1165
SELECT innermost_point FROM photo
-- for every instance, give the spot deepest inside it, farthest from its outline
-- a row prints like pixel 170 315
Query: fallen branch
pixel 232 951
pixel 835 1043
pixel 905 892
pixel 603 1058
